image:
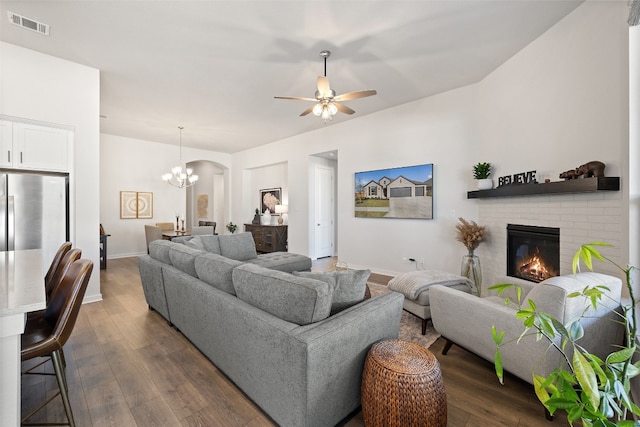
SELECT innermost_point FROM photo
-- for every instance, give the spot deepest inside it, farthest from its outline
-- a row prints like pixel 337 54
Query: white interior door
pixel 324 228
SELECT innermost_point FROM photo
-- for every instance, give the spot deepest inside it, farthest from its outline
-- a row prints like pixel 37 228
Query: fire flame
pixel 534 268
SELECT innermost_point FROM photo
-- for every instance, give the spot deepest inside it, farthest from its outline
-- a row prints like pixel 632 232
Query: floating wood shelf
pixel 580 185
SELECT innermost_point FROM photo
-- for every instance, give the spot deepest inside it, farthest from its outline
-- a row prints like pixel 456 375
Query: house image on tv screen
pixel 405 192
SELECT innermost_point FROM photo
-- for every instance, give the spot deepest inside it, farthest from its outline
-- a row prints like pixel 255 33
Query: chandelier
pixel 177 177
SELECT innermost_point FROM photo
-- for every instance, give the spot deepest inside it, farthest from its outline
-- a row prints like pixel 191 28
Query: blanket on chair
pixel 412 283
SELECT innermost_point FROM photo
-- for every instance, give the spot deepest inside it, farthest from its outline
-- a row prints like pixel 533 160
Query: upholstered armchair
pixel 466 320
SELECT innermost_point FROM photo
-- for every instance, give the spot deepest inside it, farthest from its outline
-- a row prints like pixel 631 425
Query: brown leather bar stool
pixel 45 336
pixel 55 279
pixel 63 249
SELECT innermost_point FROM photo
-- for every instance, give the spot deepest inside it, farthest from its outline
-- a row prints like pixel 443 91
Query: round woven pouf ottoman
pixel 402 386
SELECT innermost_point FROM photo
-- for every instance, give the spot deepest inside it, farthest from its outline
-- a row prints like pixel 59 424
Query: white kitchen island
pixel 21 291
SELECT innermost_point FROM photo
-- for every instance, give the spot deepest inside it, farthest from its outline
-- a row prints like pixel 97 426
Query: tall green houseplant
pixel 589 389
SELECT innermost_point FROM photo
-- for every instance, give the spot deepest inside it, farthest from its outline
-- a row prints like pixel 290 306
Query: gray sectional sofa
pixel 294 343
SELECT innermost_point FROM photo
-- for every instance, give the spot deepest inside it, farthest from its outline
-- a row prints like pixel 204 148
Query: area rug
pixel 410 325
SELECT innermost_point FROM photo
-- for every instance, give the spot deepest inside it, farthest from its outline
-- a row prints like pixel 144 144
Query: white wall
pixel 434 130
pixel 559 102
pixel 48 89
pixel 136 165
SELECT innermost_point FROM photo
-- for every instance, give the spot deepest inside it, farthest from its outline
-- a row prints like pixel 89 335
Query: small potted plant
pixel 481 172
pixel 232 227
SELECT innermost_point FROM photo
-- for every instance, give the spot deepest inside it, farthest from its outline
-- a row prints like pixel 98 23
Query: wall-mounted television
pixel 404 192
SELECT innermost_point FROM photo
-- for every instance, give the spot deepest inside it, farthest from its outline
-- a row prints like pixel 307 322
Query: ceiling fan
pixel 327 103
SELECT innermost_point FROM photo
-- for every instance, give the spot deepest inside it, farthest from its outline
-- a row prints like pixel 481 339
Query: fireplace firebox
pixel 533 253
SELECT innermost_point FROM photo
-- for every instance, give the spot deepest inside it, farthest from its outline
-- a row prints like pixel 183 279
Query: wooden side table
pixel 402 386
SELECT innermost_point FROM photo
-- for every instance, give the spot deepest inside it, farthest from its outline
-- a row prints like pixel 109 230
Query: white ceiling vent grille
pixel 28 24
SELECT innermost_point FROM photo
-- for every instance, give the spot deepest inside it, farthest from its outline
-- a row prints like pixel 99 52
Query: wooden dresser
pixel 268 238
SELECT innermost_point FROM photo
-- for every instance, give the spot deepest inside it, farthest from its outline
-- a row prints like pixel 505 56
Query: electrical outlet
pixel 422 262
pixel 405 259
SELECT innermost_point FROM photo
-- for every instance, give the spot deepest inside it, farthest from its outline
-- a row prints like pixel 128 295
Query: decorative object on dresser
pixel 256 217
pixel 269 238
pixel 481 172
pixel 282 210
pixel 265 219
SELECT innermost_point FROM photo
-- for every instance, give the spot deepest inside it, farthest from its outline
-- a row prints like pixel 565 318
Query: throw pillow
pixel 294 299
pixel 195 243
pixel 240 247
pixel 349 286
pixel 211 243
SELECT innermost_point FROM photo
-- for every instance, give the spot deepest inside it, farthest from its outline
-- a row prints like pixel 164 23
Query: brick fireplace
pixel 582 218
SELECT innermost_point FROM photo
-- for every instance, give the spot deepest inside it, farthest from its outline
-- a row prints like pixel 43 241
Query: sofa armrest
pixel 336 351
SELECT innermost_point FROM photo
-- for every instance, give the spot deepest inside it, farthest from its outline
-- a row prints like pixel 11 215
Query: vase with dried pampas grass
pixel 471 234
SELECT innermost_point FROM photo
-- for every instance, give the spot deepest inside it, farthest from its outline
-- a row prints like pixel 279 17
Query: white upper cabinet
pixel 6 143
pixel 35 147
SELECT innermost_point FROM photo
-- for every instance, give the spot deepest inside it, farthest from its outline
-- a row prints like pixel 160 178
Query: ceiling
pixel 214 66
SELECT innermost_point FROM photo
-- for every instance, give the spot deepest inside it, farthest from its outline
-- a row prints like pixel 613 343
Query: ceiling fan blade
pixel 295 98
pixel 355 95
pixel 307 111
pixel 343 108
pixel 323 86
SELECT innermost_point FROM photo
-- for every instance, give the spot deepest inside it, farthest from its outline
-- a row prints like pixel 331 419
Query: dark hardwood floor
pixel 127 367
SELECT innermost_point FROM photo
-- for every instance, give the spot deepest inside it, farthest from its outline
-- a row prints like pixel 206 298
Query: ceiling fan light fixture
pixel 326 114
pixel 324 96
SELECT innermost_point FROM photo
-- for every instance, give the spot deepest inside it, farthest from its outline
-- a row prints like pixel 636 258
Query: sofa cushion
pixel 240 247
pixel 216 270
pixel 299 300
pixel 183 257
pixel 283 261
pixel 195 243
pixel 349 286
pixel 211 243
pixel 159 250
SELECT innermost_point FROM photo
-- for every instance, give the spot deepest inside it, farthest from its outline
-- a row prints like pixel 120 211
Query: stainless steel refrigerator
pixel 34 212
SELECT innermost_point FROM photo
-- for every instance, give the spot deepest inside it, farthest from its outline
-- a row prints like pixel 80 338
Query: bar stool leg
pixel 62 384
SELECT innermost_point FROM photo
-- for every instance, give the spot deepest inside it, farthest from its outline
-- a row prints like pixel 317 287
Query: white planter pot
pixel 485 184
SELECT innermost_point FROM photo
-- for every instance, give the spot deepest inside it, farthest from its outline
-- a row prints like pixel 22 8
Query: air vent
pixel 28 24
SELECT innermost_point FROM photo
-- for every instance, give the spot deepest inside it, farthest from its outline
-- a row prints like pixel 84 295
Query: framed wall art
pixel 404 192
pixel 269 198
pixel 145 204
pixel 136 204
pixel 128 205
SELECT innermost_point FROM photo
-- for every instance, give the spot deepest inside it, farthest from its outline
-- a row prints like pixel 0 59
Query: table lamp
pixel 282 210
